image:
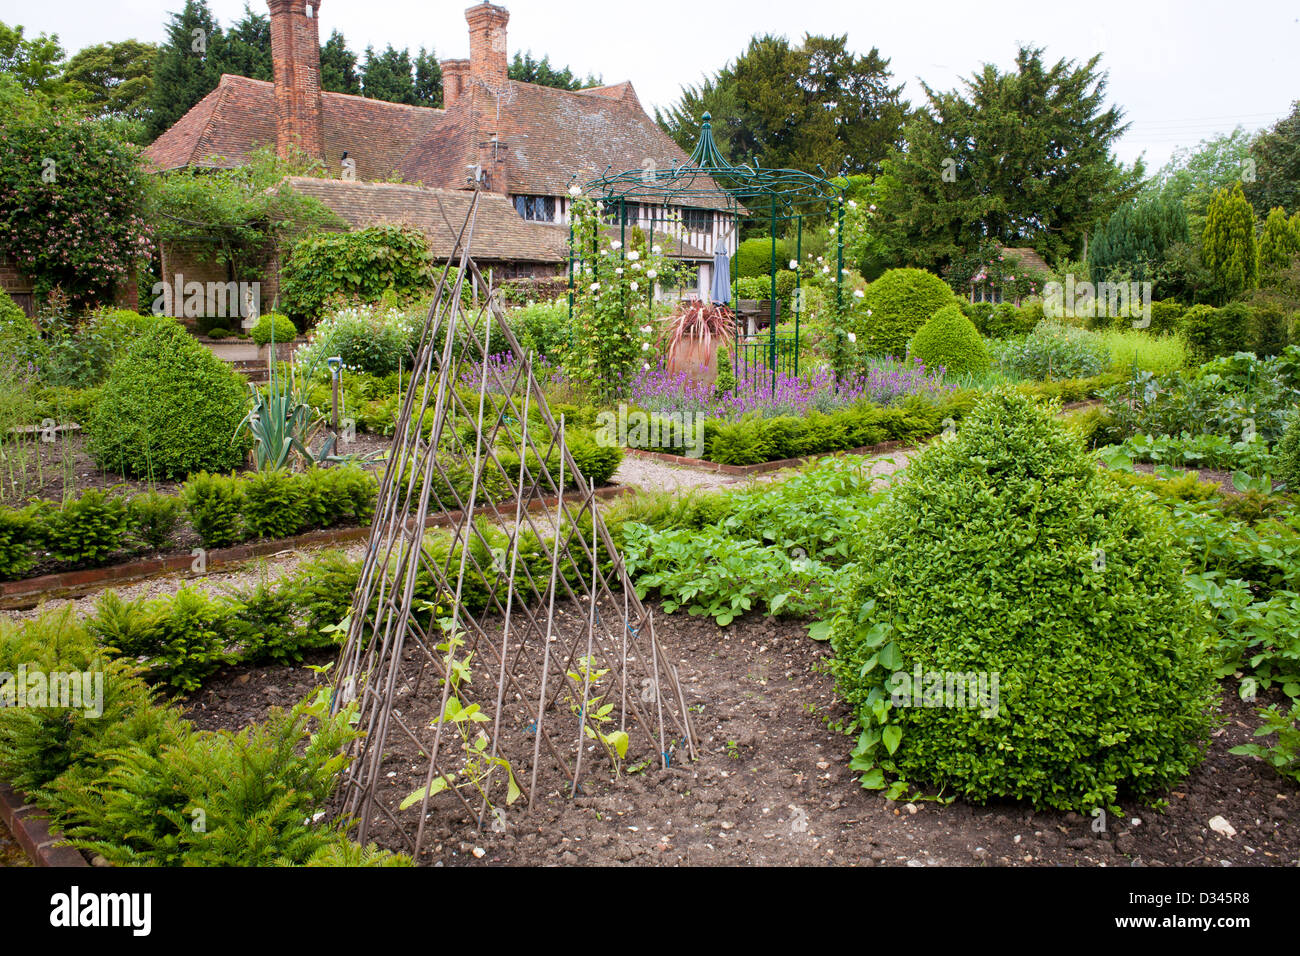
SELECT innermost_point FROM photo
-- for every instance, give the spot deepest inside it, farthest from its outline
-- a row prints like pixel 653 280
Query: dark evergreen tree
pixel 525 69
pixel 428 79
pixel 387 76
pixel 812 106
pixel 338 66
pixel 245 48
pixel 1276 153
pixel 187 68
pixel 1021 158
pixel 1136 237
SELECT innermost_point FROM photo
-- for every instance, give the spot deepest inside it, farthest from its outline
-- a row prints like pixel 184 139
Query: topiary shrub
pixel 754 257
pixel 1008 554
pixel 1215 332
pixel 275 504
pixel 950 340
pixel 281 325
pixel 895 306
pixel 169 408
pixel 87 529
pixel 215 504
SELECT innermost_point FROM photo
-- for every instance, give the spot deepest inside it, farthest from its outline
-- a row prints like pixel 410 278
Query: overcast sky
pixel 1182 70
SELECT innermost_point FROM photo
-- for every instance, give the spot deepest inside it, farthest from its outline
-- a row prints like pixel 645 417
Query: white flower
pixel 637 266
pixel 644 346
pixel 595 287
pixel 852 339
pixel 646 329
pixel 618 271
pixel 635 286
pixel 826 270
pixel 575 191
pixel 844 272
pixel 868 313
pixel 656 249
pixel 858 293
pixel 652 274
pixel 820 259
pixel 616 244
pixel 633 255
pixel 794 264
pixel 645 367
pixel 853 204
pixel 872 207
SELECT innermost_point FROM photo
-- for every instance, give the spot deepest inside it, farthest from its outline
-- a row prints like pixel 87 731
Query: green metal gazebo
pixel 708 181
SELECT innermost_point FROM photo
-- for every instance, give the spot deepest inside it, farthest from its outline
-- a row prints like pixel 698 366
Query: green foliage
pixel 1276 152
pixel 1228 245
pixel 322 593
pixel 811 106
pixel 1053 351
pixel 256 793
pixel 19 532
pixel 1283 755
pixel 755 258
pixel 180 640
pixel 542 328
pixel 951 341
pixel 1287 453
pixel 1279 243
pixel 1006 552
pixel 87 530
pixel 988 160
pixel 1138 349
pixel 73 193
pixel 725 383
pixel 274 504
pixel 170 408
pixel 895 306
pixel 1133 241
pixel 369 339
pixel 1214 332
pixel 356 266
pixel 273 322
pixel 215 504
pixel 153 518
pixel 783 548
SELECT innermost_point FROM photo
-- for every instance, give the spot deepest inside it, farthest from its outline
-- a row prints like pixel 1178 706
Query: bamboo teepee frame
pixel 561 634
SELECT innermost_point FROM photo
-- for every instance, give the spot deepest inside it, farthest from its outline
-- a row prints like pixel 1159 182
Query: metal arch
pixel 708 176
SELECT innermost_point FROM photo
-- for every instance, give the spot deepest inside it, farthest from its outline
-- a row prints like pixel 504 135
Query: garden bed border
pixel 29 592
pixel 26 822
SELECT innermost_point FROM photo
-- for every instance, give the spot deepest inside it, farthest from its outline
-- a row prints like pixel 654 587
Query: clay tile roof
pixel 239 115
pixel 1027 257
pixel 499 232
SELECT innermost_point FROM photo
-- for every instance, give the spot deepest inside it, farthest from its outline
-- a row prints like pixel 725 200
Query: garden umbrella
pixel 720 292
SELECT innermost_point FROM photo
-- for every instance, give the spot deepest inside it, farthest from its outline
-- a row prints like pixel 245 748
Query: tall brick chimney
pixel 455 82
pixel 487 44
pixel 295 58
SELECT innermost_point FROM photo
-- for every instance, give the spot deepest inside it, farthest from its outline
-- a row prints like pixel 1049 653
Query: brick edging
pixel 32 832
pixel 28 592
pixel 764 466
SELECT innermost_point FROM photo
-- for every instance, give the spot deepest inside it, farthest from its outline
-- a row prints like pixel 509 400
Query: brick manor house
pixel 525 144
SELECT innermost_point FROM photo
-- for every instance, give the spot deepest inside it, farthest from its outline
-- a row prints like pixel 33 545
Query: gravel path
pixel 652 475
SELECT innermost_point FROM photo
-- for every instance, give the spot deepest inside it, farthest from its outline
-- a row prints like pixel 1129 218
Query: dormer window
pixel 536 208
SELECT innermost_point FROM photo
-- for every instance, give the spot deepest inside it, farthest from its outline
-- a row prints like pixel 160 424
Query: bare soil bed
pixel 772 786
